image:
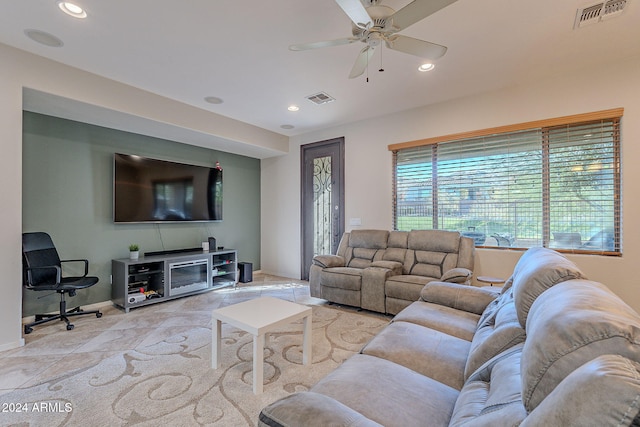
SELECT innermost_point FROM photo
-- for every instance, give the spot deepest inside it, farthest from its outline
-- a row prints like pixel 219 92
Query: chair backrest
pixel 38 251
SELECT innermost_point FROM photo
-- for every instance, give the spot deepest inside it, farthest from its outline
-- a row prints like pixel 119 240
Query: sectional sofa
pixel 385 271
pixel 552 349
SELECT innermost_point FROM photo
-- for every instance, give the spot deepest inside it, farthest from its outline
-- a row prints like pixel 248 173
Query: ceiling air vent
pixel 320 98
pixel 595 13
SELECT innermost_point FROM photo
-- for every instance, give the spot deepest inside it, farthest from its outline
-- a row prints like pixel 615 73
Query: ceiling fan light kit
pixel 376 23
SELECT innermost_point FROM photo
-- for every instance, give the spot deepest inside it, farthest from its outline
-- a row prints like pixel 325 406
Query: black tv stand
pixel 172 251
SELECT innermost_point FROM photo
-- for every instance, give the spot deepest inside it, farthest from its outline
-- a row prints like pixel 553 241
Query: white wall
pixel 368 165
pixel 10 218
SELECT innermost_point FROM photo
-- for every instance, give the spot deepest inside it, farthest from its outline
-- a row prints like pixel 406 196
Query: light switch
pixel 355 221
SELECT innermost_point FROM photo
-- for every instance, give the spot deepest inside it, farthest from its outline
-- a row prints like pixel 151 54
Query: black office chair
pixel 42 271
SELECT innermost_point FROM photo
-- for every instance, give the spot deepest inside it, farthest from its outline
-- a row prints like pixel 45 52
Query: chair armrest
pixel 461 297
pixel 326 261
pixel 457 275
pixel 309 409
pixel 86 264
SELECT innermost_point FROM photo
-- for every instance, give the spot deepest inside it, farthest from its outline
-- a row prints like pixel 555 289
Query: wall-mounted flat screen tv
pixel 151 190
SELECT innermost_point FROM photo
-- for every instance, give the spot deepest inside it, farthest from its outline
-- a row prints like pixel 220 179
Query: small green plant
pixel 133 248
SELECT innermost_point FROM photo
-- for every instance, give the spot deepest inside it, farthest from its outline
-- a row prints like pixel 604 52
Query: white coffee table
pixel 257 317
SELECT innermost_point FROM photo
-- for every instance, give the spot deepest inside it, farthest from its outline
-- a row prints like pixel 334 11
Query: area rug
pixel 171 383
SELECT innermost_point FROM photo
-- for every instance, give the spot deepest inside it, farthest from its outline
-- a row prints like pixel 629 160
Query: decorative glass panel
pixel 322 215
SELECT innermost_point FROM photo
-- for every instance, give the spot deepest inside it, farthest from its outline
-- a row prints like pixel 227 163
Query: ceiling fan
pixel 376 23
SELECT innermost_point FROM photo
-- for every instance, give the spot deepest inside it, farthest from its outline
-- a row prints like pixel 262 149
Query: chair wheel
pixel 28 330
pixel 69 327
pixel 98 315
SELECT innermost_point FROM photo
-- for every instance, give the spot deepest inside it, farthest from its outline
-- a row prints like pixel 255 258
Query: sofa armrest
pixel 457 275
pixel 461 297
pixel 326 261
pixel 602 392
pixel 394 266
pixel 372 295
pixel 308 409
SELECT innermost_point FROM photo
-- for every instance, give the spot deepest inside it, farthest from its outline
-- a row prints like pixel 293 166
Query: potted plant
pixel 134 251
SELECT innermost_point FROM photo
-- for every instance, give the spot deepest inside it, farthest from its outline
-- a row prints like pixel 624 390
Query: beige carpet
pixel 171 383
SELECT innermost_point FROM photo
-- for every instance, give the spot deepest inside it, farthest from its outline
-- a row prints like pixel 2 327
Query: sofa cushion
pixel 362 257
pixel 497 331
pixel 429 352
pixel 456 275
pixel 388 393
pixel 434 241
pixel 454 322
pixel 602 392
pixel 492 395
pixel 460 297
pixel 394 254
pixel 569 325
pixel 347 278
pixel 537 270
pixel 311 410
pixel 398 239
pixel 405 287
pixel 426 263
pixel 370 239
pixel 395 305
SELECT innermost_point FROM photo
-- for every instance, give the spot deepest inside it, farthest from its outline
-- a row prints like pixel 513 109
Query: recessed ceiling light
pixel 213 100
pixel 426 67
pixel 293 108
pixel 287 126
pixel 72 9
pixel 43 38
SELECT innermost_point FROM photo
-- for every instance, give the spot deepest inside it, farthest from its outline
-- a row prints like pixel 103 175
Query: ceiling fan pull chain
pixel 367 68
pixel 381 49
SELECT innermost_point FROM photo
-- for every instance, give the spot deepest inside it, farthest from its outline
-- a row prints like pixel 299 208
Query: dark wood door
pixel 322 198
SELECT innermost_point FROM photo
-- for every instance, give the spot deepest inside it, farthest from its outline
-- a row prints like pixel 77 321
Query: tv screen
pixel 151 190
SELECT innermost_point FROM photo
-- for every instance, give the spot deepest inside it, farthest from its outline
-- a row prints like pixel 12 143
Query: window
pixel 547 183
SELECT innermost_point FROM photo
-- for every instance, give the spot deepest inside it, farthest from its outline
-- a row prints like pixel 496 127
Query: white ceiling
pixel 238 51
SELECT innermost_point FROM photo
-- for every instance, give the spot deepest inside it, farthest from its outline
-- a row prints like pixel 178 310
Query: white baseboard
pixel 12 345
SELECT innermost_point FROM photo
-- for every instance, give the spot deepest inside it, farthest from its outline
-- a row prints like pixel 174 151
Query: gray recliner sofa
pixel 385 271
pixel 553 349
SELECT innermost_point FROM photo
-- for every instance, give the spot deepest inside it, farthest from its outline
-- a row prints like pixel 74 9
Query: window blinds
pixel 550 186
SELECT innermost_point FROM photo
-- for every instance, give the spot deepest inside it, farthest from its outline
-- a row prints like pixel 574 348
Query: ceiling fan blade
pixel 416 11
pixel 326 43
pixel 421 48
pixel 361 62
pixel 356 12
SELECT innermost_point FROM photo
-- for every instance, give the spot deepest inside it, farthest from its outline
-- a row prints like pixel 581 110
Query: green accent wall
pixel 67 192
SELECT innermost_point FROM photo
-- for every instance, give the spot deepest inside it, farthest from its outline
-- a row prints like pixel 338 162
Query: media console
pixel 170 275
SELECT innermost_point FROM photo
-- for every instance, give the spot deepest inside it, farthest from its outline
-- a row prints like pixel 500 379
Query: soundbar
pixel 172 251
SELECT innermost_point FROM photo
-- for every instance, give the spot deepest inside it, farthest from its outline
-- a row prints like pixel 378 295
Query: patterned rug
pixel 172 383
